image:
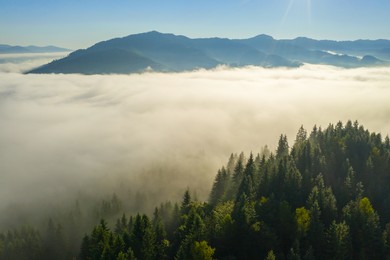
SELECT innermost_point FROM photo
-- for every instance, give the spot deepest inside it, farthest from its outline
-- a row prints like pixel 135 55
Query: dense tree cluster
pixel 59 236
pixel 325 197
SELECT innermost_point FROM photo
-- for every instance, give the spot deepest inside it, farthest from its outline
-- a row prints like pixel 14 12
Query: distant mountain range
pixel 168 52
pixel 8 49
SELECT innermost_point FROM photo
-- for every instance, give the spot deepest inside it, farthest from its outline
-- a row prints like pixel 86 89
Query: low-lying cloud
pixel 160 133
pixel 23 62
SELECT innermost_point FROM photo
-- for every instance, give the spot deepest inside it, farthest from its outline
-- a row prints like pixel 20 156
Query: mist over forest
pixel 150 136
pixel 64 133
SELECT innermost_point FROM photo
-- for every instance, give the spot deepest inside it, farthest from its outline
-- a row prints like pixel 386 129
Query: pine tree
pixel 366 235
pixel 185 204
pixel 247 185
pixel 238 175
pixel 283 148
pixel 143 239
pixel 339 241
pixel 219 189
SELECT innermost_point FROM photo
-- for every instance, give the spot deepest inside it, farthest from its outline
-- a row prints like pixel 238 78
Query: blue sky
pixel 81 23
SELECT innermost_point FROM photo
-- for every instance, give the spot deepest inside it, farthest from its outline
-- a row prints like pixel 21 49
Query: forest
pixel 326 196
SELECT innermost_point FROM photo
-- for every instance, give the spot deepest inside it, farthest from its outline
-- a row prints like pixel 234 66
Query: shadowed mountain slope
pixel 169 52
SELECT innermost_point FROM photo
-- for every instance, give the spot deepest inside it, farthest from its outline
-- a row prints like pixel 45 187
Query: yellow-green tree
pixel 202 251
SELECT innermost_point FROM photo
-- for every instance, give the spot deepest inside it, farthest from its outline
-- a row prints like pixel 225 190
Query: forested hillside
pixel 324 197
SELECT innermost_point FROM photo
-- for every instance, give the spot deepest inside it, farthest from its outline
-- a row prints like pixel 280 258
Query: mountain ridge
pixel 168 52
pixel 14 49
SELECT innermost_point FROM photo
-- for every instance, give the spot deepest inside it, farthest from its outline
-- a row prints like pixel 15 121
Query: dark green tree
pixel 366 235
pixel 143 238
pixel 283 148
pixel 219 189
pixel 338 241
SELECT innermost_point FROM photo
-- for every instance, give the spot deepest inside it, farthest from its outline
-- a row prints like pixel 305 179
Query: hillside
pixel 169 52
pixel 325 197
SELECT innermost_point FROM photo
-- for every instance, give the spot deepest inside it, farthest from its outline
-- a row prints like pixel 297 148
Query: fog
pixel 22 62
pixel 160 133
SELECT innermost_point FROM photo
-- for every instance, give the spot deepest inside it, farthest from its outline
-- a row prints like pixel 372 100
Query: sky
pixel 78 24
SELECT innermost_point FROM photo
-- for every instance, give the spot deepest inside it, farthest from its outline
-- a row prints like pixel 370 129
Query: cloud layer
pixel 25 61
pixel 160 133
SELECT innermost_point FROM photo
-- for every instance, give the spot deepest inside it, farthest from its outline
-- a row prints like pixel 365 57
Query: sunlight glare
pixel 292 3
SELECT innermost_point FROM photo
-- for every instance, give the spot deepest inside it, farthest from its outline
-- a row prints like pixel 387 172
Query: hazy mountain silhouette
pixel 169 52
pixel 4 48
pixel 101 62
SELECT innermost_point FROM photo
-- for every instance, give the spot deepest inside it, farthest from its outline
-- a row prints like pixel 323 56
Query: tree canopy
pixel 326 196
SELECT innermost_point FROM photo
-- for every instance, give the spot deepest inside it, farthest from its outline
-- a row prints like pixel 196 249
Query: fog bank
pixel 22 62
pixel 160 133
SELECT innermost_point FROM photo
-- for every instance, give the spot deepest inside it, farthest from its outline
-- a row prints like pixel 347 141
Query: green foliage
pixel 221 219
pixel 302 218
pixel 366 234
pixel 339 241
pixel 185 204
pixel 386 239
pixel 366 208
pixel 247 185
pixel 270 255
pixel 283 148
pixel 143 240
pixel 25 243
pixel 202 251
pixel 193 229
pixel 326 198
pixel 220 187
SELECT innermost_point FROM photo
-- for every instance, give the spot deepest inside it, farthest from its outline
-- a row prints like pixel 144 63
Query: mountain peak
pixel 154 32
pixel 263 37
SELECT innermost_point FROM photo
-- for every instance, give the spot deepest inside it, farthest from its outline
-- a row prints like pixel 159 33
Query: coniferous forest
pixel 324 196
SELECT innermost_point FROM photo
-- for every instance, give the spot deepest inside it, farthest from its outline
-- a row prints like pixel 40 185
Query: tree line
pixel 325 197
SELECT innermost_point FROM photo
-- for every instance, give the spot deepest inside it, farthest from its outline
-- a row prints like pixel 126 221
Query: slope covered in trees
pixel 325 197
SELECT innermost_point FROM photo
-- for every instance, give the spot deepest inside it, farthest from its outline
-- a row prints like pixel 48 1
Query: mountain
pixel 336 53
pixel 168 52
pixel 101 62
pixel 5 49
